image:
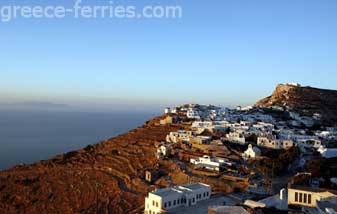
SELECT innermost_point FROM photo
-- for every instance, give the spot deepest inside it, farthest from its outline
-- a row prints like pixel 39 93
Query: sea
pixel 30 136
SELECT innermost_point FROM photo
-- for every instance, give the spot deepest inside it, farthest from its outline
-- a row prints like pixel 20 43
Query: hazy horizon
pixel 110 105
pixel 225 53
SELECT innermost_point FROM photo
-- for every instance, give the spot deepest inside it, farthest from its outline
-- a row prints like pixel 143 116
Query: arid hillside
pixel 104 178
pixel 305 100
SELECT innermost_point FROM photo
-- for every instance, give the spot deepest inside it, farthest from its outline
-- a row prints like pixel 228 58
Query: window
pixel 182 200
pixel 169 203
pixel 207 193
pixel 309 198
pixel 296 196
pixel 193 200
pixel 304 198
pixel 150 212
pixel 165 205
pixel 156 204
pixel 178 201
pixel 301 194
pixel 152 203
pixel 204 195
pixel 174 202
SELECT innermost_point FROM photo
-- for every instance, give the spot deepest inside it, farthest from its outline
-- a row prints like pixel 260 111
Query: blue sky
pixel 225 52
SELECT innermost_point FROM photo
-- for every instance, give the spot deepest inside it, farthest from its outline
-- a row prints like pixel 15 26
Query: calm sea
pixel 28 136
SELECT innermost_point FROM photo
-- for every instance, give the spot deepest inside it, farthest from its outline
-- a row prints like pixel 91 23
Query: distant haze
pixel 221 52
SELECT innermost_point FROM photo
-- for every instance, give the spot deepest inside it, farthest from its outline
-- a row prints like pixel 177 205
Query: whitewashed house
pixel 211 163
pixel 264 126
pixel 167 110
pixel 308 143
pixel 193 114
pixel 179 136
pixel 308 196
pixel 200 139
pixel 251 152
pixel 327 152
pixel 187 195
pixel 200 126
pixel 236 137
pixel 273 143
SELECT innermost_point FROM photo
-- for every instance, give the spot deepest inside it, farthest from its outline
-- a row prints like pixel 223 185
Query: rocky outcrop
pixel 305 100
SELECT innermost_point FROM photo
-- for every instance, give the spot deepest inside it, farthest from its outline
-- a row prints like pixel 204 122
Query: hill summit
pixel 305 100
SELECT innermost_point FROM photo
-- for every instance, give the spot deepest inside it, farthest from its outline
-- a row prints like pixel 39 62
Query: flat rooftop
pixel 195 186
pixel 312 189
pixel 179 189
pixel 166 192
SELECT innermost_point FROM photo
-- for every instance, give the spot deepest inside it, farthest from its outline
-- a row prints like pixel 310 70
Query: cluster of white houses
pixel 168 199
pixel 238 125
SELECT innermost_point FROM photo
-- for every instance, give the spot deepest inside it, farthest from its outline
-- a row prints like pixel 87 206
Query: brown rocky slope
pixel 305 100
pixel 104 178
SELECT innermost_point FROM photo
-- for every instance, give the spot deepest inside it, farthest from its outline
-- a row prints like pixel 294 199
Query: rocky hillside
pixel 104 178
pixel 305 100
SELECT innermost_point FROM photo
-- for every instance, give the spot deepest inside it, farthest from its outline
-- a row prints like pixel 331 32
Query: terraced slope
pixel 104 178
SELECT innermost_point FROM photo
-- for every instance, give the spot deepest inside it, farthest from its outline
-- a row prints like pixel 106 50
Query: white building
pixel 193 114
pixel 251 152
pixel 307 144
pixel 273 143
pixel 236 137
pixel 308 196
pixel 167 110
pixel 178 136
pixel 202 124
pixel 279 201
pixel 312 200
pixel 211 163
pixel 263 126
pixel 295 84
pixel 200 139
pixel 163 200
pixel 327 152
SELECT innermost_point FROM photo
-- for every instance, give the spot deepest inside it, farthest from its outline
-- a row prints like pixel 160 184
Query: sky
pixel 222 52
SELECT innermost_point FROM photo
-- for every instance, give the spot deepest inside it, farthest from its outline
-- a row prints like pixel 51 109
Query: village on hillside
pixel 279 161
